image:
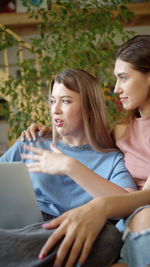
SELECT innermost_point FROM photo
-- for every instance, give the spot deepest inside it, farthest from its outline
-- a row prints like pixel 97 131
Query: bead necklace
pixel 85 146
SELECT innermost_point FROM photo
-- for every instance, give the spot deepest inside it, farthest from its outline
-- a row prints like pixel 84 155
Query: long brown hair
pixel 136 51
pixel 94 109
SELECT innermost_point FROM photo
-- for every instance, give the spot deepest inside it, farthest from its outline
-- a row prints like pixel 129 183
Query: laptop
pixel 18 203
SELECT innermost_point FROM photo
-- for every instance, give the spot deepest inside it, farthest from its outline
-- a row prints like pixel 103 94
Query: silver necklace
pixel 85 146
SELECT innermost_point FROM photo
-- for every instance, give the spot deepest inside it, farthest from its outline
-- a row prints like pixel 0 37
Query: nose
pixel 56 108
pixel 117 89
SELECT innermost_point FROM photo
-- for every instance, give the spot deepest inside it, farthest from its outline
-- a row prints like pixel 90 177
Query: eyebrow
pixel 120 73
pixel 63 96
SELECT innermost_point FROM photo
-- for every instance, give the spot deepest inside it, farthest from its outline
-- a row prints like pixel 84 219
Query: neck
pixel 144 111
pixel 74 141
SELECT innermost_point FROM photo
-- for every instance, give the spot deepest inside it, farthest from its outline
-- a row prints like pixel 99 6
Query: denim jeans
pixel 135 251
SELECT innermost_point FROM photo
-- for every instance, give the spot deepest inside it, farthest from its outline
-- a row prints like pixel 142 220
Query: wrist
pixel 106 205
pixel 100 205
pixel 70 166
pixel 67 165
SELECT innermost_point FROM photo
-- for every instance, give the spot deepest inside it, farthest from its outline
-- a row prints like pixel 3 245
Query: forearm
pixel 60 164
pixel 147 184
pixel 123 205
pixel 93 183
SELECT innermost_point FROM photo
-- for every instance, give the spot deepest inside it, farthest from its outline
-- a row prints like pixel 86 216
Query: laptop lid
pixel 18 203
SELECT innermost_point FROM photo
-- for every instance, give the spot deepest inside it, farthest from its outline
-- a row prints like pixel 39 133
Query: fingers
pixel 54 223
pixel 64 249
pixel 79 237
pixel 34 167
pixel 59 233
pixel 33 149
pixel 80 249
pixel 51 242
pixel 35 157
pixel 33 131
pixel 86 250
pixel 75 251
pixel 75 242
pixel 31 157
pixel 45 131
pixel 26 134
pixel 30 133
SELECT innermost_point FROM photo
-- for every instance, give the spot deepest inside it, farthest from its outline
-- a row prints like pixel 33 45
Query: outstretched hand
pixel 79 227
pixel 45 161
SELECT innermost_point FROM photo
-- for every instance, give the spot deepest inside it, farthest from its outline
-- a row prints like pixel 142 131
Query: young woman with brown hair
pixel 83 163
pixel 132 71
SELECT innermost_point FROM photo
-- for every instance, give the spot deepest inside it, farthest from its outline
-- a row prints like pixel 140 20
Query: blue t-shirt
pixel 59 193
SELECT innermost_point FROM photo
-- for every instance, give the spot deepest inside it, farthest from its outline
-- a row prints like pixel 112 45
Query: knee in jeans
pixel 140 220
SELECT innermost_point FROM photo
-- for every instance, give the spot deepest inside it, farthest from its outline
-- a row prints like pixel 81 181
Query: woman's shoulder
pixel 119 130
pixel 40 141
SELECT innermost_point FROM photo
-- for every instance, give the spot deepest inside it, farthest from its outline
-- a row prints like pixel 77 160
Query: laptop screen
pixel 18 203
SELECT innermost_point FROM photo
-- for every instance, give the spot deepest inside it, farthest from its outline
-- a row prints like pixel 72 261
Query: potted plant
pixel 74 34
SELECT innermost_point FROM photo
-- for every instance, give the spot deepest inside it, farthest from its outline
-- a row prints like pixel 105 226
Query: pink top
pixel 135 144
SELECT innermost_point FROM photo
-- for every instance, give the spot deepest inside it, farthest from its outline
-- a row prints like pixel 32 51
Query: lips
pixel 122 99
pixel 58 122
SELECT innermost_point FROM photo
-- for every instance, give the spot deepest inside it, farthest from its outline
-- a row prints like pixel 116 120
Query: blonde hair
pixel 94 109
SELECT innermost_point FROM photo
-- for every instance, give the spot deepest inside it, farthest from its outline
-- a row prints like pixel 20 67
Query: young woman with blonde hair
pixel 132 71
pixel 81 163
